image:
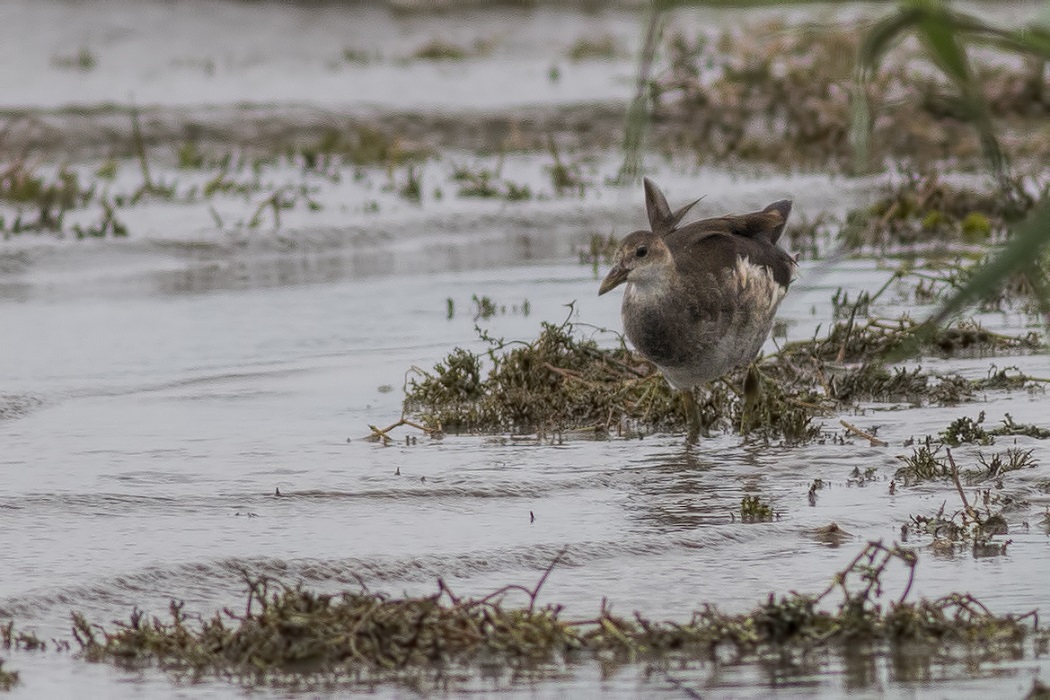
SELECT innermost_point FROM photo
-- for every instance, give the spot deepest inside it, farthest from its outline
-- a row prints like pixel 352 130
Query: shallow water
pixel 156 393
pixel 156 427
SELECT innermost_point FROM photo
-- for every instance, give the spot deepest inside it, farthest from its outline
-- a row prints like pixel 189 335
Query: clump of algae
pixel 563 382
pixel 8 679
pixel 558 382
pixel 923 209
pixel 785 93
pixel 288 634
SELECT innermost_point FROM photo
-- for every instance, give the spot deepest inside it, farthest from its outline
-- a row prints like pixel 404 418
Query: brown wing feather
pixel 716 244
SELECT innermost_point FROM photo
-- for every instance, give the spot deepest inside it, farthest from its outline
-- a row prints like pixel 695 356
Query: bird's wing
pixel 716 245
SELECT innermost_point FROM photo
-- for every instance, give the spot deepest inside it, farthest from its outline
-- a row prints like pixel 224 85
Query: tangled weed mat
pixel 783 94
pixel 566 382
pixel 291 636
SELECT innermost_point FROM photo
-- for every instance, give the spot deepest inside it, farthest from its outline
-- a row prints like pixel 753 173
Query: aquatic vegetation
pixel 287 635
pixel 355 56
pixel 924 211
pixel 924 464
pixel 601 48
pixel 8 679
pixel 562 382
pixel 848 341
pixel 50 199
pixel 967 527
pixel 599 251
pixel 817 486
pixel 963 529
pixel 485 183
pixel 108 225
pixel 862 478
pixel 21 640
pixel 361 145
pixel 190 156
pixel 787 93
pixel 83 60
pixel 754 510
pixel 998 464
pixel 557 382
pixel 975 525
pixel 412 188
pixel 565 177
pixel 1009 427
pixel 966 430
pixel 440 50
pixel 945 36
pixel 485 307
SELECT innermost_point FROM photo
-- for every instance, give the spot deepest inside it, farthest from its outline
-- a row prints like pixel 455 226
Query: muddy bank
pixel 107 131
pixel 728 88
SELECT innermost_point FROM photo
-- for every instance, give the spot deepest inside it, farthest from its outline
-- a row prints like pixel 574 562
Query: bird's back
pixel 718 243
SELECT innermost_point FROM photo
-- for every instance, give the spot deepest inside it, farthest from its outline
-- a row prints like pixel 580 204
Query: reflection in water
pixel 690 486
pixel 451 244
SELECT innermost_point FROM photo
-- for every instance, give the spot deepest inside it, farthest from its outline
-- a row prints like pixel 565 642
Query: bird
pixel 700 299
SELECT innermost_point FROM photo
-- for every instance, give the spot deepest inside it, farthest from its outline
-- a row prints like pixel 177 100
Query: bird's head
pixel 641 258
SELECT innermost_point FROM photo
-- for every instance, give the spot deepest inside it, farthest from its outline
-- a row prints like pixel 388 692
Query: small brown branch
pixel 875 442
pixel 890 213
pixel 378 434
pixel 547 572
pixel 958 484
pixel 806 404
pixel 532 593
pixel 569 374
pixel 909 558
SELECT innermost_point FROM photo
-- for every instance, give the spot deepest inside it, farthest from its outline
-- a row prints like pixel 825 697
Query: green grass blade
pixel 1034 39
pixel 860 126
pixel 939 31
pixel 638 111
pixel 886 31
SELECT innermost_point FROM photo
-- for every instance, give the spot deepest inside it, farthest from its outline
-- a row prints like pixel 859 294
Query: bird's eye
pixel 641 252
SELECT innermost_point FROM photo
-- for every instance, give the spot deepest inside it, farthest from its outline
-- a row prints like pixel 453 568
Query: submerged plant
pixel 286 635
pixel 754 510
pixel 923 465
pixel 8 679
pixel 561 382
pixel 998 464
pixel 966 430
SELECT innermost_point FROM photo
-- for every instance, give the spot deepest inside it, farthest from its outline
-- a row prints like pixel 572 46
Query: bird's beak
pixel 617 276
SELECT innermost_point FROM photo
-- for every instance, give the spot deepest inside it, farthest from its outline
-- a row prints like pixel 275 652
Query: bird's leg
pixel 752 392
pixel 752 384
pixel 692 416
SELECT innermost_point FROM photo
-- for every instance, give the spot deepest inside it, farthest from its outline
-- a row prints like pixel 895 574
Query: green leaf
pixel 937 32
pixel 886 31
